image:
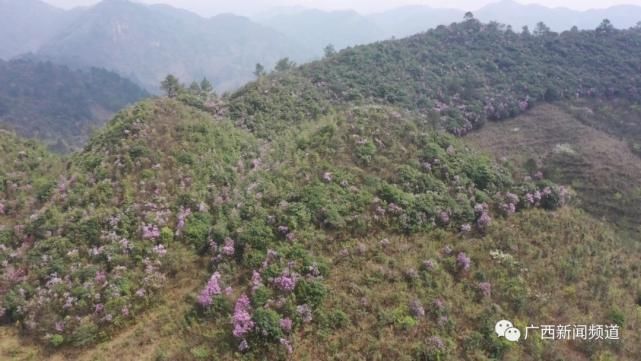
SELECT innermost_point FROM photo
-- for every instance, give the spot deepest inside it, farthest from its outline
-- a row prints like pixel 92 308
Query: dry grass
pixel 601 168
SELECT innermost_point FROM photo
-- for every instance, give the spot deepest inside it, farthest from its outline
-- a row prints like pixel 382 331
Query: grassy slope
pixel 601 168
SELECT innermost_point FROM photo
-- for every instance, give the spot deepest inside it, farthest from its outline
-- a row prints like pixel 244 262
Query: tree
pixel 526 31
pixel 329 51
pixel 605 27
pixel 206 87
pixel 541 29
pixel 468 16
pixel 171 86
pixel 260 70
pixel 284 64
pixel 194 87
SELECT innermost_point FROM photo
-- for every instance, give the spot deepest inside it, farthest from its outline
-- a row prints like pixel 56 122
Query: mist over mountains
pixel 146 42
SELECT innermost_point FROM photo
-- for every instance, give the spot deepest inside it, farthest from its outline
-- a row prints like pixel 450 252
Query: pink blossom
pixel 523 105
pixel 229 248
pixel 287 345
pixel 439 304
pixel 480 208
pixel 429 265
pixel 242 318
pixel 327 177
pixel 530 198
pixel 59 326
pixel 437 342
pixel 243 346
pixel 150 231
pixel 286 325
pixel 465 228
pixel 484 220
pixel 99 308
pixel 1 208
pixel 537 196
pixel 450 150
pixel 512 198
pixel 101 277
pixel 394 208
pixel 160 250
pixel 305 312
pixel 508 208
pixel 485 288
pixel 211 289
pixel 285 283
pixel 183 213
pixel 444 218
pixel 416 309
pixel 463 261
pixel 256 281
pixel 125 311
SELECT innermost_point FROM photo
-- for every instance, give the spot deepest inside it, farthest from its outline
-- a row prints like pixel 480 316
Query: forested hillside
pixel 59 105
pixel 462 75
pixel 323 212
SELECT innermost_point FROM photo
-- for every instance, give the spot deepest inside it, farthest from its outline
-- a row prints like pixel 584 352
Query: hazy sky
pixel 249 7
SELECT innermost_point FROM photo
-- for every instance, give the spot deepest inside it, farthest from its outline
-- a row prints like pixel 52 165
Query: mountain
pixel 410 20
pixel 558 19
pixel 392 201
pixel 20 33
pixel 60 105
pixel 317 29
pixel 145 43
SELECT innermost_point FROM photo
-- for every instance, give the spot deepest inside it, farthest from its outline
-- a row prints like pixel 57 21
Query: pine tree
pixel 171 86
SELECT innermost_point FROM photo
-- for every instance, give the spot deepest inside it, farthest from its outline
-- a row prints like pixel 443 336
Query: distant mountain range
pixel 19 33
pixel 146 42
pixel 342 28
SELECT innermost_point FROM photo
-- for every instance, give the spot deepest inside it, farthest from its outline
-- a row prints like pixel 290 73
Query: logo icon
pixel 505 328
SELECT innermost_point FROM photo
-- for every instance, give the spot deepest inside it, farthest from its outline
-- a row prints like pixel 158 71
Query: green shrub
pixel 56 340
pixel 311 293
pixel 196 231
pixel 267 324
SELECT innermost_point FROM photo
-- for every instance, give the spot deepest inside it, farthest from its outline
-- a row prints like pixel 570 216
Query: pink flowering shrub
pixel 242 318
pixel 285 283
pixel 228 248
pixel 485 288
pixel 286 325
pixel 212 289
pixel 150 231
pixel 463 262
